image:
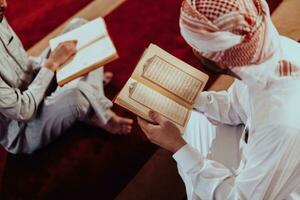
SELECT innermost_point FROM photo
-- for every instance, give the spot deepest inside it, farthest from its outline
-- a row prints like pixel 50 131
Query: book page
pixel 171 78
pixel 96 53
pixel 157 102
pixel 85 34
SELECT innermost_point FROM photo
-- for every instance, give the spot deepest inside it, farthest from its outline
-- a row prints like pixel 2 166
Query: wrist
pixel 50 64
pixel 178 145
pixel 202 100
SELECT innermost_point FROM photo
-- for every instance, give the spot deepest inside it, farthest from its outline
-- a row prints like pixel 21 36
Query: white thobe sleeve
pixel 270 170
pixel 223 106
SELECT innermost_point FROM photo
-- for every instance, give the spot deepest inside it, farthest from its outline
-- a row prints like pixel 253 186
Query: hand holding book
pixel 165 84
pixel 94 49
pixel 61 54
pixel 165 133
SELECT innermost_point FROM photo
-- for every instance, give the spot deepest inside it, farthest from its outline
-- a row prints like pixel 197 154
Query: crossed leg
pixel 69 104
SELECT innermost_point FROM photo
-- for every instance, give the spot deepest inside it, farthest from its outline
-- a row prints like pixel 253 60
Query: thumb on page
pixel 156 117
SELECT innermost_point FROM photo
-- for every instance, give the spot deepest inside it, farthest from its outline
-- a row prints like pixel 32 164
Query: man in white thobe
pixel 243 143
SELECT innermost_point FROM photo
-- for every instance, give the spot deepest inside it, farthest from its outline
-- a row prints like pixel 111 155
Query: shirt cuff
pixel 202 100
pixel 40 84
pixel 188 157
pixel 36 62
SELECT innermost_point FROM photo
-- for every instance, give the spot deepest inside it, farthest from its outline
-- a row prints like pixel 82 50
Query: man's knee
pixel 74 23
pixel 79 104
pixel 78 21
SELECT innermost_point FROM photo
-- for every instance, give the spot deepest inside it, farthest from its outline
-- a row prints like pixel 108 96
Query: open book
pixel 163 83
pixel 94 49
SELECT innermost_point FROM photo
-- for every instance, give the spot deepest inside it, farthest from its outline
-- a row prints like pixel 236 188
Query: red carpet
pixel 32 20
pixel 88 163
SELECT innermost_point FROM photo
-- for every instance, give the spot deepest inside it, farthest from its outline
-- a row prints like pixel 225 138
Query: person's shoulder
pixel 289 44
pixel 4 24
pixel 4 21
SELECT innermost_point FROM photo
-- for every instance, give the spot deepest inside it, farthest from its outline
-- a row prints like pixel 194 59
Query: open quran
pixel 163 83
pixel 94 49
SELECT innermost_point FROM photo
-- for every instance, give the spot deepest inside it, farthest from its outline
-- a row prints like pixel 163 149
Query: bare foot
pixel 116 125
pixel 107 77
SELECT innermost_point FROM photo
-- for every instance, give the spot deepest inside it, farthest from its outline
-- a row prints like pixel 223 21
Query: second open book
pixel 163 83
pixel 94 49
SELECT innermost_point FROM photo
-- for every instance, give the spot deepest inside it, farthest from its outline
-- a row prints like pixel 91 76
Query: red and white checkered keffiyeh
pixel 233 33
